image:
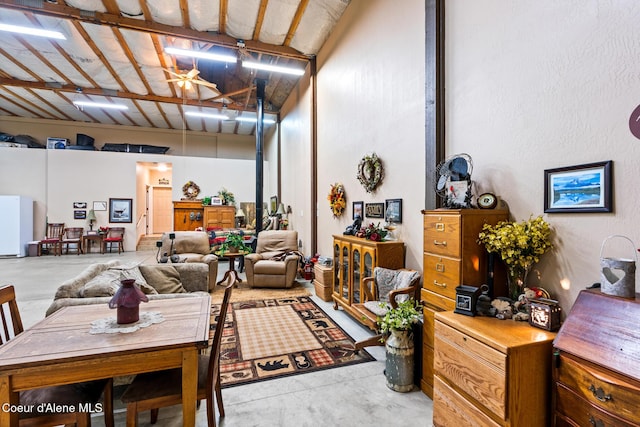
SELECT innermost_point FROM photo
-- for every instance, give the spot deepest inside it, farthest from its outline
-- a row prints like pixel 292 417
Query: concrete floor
pixel 347 396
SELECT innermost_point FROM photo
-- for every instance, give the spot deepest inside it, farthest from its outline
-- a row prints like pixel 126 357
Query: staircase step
pixel 148 243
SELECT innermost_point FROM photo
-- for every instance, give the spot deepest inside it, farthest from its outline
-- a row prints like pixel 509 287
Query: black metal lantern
pixel 466 299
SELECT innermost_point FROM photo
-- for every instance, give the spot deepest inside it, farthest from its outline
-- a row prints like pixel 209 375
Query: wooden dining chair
pixel 73 236
pixel 154 390
pixel 69 394
pixel 53 239
pixel 115 235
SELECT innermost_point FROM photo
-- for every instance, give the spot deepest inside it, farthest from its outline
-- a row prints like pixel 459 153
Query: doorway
pixel 155 197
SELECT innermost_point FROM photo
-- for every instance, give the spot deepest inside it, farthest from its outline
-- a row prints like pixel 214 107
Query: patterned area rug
pixel 277 337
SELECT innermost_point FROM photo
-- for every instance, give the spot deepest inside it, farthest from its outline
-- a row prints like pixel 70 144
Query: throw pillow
pixel 133 272
pixel 164 278
pixel 104 284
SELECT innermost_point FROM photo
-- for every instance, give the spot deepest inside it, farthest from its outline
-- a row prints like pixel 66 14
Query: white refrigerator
pixel 16 225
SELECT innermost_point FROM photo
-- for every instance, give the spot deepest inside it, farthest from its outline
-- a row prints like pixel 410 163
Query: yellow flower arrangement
pixel 337 199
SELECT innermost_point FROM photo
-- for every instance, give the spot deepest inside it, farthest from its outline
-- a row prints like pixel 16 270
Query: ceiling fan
pixel 186 80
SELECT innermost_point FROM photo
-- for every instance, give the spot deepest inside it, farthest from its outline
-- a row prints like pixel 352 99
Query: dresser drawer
pixel 452 409
pixel 582 413
pixel 475 368
pixel 437 301
pixel 601 388
pixel 442 235
pixel 441 274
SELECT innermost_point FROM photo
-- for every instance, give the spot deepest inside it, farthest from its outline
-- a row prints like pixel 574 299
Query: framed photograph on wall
pixel 374 210
pixel 79 205
pixel 393 210
pixel 80 214
pixel 120 210
pixel 582 188
pixel 358 208
pixel 273 205
pixel 99 206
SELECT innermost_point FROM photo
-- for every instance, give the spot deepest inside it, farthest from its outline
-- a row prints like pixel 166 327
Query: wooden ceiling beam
pixel 222 17
pixel 115 20
pixel 260 19
pixel 302 6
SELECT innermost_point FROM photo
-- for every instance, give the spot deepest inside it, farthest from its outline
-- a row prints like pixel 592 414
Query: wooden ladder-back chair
pixel 73 236
pixel 53 239
pixel 69 394
pixel 154 390
pixel 115 235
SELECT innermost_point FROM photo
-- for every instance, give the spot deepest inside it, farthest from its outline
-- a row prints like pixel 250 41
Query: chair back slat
pixel 55 230
pixel 214 356
pixel 9 314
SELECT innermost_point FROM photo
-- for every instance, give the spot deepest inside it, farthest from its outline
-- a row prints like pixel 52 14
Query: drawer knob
pixel 598 393
pixel 437 243
pixel 442 285
pixel 594 422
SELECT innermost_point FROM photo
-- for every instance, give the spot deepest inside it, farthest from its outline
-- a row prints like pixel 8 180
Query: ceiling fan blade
pixel 175 80
pixel 193 73
pixel 205 83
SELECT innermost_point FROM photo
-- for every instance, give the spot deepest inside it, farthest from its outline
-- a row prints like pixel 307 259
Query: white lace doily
pixel 110 325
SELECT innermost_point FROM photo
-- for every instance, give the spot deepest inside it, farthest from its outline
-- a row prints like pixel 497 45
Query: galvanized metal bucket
pixel 618 274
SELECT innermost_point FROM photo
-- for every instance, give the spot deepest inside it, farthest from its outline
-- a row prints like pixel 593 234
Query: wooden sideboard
pixel 596 367
pixel 187 215
pixel 451 257
pixel 219 217
pixel 491 372
pixel 354 258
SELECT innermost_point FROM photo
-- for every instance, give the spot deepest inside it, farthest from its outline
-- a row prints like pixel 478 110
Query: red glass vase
pixel 127 301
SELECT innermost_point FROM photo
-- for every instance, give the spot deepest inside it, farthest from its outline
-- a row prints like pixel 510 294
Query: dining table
pixel 65 348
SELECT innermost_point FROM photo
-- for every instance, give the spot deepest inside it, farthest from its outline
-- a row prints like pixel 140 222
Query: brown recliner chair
pixel 191 246
pixel 275 262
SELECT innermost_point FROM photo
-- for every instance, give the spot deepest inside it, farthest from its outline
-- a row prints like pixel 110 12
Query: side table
pixel 232 264
pixel 89 239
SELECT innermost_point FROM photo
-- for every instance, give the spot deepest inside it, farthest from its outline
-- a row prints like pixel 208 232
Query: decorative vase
pixel 516 280
pixel 399 364
pixel 127 302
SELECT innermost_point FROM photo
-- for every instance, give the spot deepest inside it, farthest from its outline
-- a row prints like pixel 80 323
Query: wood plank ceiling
pixel 114 52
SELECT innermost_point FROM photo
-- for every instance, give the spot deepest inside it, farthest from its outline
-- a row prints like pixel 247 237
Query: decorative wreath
pixel 337 199
pixel 370 172
pixel 190 190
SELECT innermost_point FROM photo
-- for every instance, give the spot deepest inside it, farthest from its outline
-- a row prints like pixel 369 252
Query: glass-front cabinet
pixel 354 259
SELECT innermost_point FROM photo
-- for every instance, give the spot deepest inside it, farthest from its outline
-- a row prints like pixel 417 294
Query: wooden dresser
pixel 219 217
pixel 491 372
pixel 452 257
pixel 354 258
pixel 596 367
pixel 187 215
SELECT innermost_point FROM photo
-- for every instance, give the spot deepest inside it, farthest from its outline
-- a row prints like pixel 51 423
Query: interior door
pixel 162 210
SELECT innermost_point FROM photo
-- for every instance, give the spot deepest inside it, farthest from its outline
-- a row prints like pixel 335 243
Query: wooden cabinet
pixel 490 372
pixel 187 215
pixel 219 216
pixel 451 257
pixel 354 258
pixel 596 371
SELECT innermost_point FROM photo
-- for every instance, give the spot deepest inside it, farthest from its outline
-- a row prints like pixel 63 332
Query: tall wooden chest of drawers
pixel 451 257
pixel 596 370
pixel 187 215
pixel 491 372
pixel 219 217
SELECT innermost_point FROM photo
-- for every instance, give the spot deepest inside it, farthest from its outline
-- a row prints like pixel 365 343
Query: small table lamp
pixel 281 210
pixel 240 217
pixel 91 217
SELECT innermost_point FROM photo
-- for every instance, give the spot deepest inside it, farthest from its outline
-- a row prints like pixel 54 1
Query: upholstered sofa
pixel 191 246
pixel 275 261
pixel 98 282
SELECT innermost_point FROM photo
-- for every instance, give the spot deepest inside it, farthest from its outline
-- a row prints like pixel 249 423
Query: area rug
pixel 273 338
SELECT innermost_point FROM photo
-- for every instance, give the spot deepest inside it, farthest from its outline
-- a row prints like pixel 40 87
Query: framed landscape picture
pixel 358 208
pixel 120 210
pixel 582 188
pixel 393 210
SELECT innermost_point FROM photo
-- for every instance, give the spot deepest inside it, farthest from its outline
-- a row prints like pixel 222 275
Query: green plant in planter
pixel 234 243
pixel 400 318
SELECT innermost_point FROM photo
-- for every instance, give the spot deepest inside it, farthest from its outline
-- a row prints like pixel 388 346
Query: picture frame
pixel 80 214
pixel 374 210
pixel 99 206
pixel 393 210
pixel 216 201
pixel 358 209
pixel 120 210
pixel 273 205
pixel 79 205
pixel 579 189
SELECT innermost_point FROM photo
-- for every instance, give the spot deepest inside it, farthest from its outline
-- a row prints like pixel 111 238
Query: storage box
pixel 323 274
pixel 322 291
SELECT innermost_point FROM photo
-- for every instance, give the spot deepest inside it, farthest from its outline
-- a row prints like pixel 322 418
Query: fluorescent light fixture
pixel 273 68
pixel 202 55
pixel 254 120
pixel 32 31
pixel 207 115
pixel 100 105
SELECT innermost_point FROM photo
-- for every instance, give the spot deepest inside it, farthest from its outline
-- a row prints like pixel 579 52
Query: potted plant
pixel 234 243
pixel 397 331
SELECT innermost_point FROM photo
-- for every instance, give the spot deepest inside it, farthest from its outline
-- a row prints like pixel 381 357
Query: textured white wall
pixel 534 85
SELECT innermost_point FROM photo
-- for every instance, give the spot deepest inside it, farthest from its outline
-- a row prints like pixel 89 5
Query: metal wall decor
pixel 370 172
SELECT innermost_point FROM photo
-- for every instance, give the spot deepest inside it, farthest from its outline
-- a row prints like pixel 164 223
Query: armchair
pixel 190 246
pixel 389 287
pixel 275 261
